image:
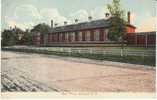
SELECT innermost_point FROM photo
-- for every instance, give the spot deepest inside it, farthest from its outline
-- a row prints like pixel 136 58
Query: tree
pixel 27 38
pixel 8 38
pixel 19 34
pixel 42 29
pixel 117 21
pixel 11 36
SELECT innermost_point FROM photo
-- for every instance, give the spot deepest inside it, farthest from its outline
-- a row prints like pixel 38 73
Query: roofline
pixel 131 26
pixel 79 30
pixel 76 24
pixel 80 23
pixel 149 32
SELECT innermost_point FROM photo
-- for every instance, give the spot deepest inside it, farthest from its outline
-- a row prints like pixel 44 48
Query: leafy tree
pixel 27 38
pixel 11 36
pixel 117 21
pixel 8 38
pixel 19 34
pixel 42 28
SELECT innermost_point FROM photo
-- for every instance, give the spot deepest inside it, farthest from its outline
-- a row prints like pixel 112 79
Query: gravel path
pixel 35 72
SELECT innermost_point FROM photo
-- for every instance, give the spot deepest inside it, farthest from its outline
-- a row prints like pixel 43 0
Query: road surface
pixel 37 72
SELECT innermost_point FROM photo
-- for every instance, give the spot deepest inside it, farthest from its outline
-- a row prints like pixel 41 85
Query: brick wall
pixel 143 38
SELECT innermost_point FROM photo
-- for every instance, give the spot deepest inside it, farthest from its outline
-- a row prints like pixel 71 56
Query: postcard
pixel 78 48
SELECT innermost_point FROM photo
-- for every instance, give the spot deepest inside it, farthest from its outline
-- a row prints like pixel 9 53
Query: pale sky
pixel 27 13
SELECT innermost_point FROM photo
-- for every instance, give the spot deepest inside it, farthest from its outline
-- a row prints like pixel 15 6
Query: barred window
pixel 69 37
pixel 60 37
pixel 76 36
pixel 106 32
pixel 73 36
pixel 96 35
pixel 87 35
pixel 80 36
pixel 66 37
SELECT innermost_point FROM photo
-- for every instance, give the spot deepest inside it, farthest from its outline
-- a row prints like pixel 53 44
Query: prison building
pixel 92 31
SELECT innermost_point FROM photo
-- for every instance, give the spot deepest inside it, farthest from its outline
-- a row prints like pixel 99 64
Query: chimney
pixel 107 15
pixel 76 20
pixel 65 22
pixel 129 17
pixel 51 23
pixel 90 18
pixel 10 27
pixel 56 24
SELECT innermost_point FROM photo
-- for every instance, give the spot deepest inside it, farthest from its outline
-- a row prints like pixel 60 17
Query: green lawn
pixel 149 60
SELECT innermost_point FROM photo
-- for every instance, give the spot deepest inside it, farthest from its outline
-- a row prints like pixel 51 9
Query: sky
pixel 28 13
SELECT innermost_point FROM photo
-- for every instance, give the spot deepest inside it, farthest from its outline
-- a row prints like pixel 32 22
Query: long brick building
pixel 92 31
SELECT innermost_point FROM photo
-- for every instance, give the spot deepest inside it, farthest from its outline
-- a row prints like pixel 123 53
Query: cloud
pixel 132 16
pixel 147 24
pixel 27 13
pixel 53 14
pixel 81 15
pixel 11 22
pixel 98 13
pixel 27 16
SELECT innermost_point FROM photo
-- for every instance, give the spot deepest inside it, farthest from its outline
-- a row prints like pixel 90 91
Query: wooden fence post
pixel 121 52
pixel 146 40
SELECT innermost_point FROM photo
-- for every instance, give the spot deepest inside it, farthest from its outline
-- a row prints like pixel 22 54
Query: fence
pixel 114 51
pixel 121 52
pixel 143 56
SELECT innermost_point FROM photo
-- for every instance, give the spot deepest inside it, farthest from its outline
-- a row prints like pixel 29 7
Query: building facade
pixel 95 31
pixel 141 38
pixel 87 32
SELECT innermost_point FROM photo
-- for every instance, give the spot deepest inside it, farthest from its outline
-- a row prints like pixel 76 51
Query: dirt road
pixel 35 72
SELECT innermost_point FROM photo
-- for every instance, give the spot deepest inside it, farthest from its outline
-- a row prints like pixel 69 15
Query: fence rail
pixel 121 52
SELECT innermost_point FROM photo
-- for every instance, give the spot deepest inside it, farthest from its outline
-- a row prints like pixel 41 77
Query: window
pixel 76 36
pixel 106 34
pixel 60 37
pixel 66 37
pixel 69 37
pixel 63 37
pixel 55 37
pixel 80 36
pixel 96 35
pixel 88 35
pixel 72 36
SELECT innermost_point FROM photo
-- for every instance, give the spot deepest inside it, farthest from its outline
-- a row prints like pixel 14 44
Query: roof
pixel 141 33
pixel 101 23
pixel 131 25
